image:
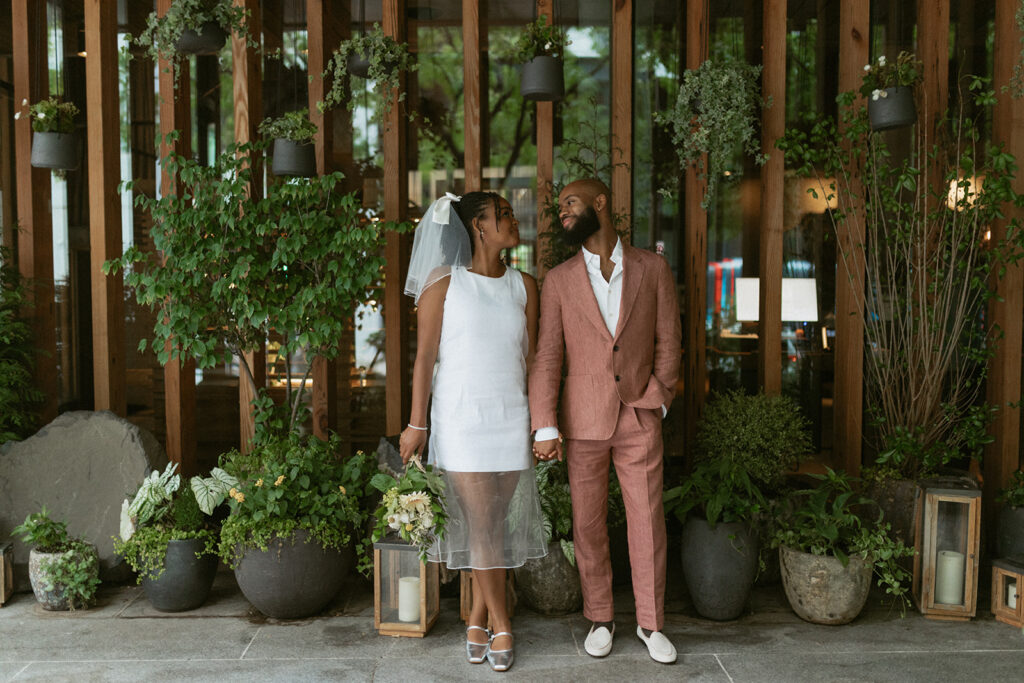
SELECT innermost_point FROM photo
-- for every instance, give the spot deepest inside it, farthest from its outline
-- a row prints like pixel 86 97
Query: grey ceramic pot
pixel 290 580
pixel 57 151
pixel 550 585
pixel 1010 533
pixel 186 580
pixel 821 590
pixel 895 110
pixel 207 41
pixel 719 566
pixel 50 595
pixel 293 159
pixel 358 65
pixel 542 80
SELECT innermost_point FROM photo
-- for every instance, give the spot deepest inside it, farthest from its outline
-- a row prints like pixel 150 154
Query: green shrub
pixel 18 397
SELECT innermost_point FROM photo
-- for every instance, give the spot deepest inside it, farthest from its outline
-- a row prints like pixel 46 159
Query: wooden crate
pixel 6 572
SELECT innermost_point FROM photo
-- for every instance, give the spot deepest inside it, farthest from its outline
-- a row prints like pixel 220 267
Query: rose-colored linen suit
pixel 610 410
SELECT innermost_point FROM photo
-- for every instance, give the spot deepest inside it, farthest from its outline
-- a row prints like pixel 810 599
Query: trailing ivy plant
pixel 18 396
pixel 73 570
pixel 229 269
pixel 292 125
pixel 388 59
pixel 716 112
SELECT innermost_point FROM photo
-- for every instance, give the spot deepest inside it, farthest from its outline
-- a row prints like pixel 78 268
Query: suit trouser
pixel 636 449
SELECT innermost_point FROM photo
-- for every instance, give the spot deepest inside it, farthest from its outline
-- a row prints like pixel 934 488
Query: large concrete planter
pixel 542 80
pixel 821 590
pixel 1010 533
pixel 293 578
pixel 186 580
pixel 550 585
pixel 719 566
pixel 50 594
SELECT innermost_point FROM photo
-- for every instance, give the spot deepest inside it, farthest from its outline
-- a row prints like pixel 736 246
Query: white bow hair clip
pixel 442 207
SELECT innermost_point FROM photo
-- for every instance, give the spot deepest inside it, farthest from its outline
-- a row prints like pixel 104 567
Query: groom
pixel 610 313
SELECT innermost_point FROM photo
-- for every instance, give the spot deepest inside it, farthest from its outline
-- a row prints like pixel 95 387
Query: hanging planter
pixel 889 87
pixel 294 153
pixel 358 65
pixel 542 80
pixel 894 108
pixel 208 40
pixel 54 143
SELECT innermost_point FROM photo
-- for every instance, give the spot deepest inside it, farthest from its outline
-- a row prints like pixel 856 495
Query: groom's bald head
pixel 589 190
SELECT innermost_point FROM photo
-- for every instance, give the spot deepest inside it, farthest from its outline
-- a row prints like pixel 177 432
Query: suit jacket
pixel 638 366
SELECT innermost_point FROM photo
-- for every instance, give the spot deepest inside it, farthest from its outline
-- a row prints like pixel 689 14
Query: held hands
pixel 548 450
pixel 411 443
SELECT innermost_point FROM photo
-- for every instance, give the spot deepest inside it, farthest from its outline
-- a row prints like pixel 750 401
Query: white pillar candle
pixel 409 598
pixel 1011 594
pixel 949 578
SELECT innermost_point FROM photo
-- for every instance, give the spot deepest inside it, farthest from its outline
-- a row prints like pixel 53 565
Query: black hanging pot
pixel 542 80
pixel 294 159
pixel 207 41
pixel 358 65
pixel 57 151
pixel 186 580
pixel 893 110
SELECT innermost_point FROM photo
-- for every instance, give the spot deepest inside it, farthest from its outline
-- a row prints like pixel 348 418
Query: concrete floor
pixel 124 639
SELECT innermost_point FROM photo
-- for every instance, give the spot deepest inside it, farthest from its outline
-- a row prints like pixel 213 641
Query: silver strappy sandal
pixel 476 653
pixel 501 660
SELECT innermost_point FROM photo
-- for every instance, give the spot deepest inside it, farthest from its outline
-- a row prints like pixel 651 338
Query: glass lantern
pixel 1007 591
pixel 947 523
pixel 406 598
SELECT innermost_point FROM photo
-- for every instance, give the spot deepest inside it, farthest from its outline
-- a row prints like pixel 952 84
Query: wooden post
pixel 247 92
pixel 396 252
pixel 545 158
pixel 35 238
pixel 773 85
pixel 695 247
pixel 1002 456
pixel 179 376
pixel 471 93
pixel 622 110
pixel 933 51
pixel 854 27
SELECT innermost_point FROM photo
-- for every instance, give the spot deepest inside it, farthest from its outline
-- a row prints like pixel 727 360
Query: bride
pixel 477 319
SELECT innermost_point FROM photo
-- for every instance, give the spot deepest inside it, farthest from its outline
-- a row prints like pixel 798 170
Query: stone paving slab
pixel 357 670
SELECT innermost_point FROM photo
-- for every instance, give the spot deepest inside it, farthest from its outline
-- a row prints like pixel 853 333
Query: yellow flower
pixel 240 497
pixel 279 480
pixel 408 527
pixel 232 492
pixel 342 489
pixel 259 482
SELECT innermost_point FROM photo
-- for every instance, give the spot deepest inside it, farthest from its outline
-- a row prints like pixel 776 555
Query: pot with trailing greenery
pixel 1010 527
pixel 889 87
pixel 745 445
pixel 716 113
pixel 54 143
pixel 64 570
pixel 832 541
pixel 294 152
pixel 169 540
pixel 541 51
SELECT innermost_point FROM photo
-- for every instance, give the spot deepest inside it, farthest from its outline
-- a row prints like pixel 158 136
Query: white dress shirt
pixel 609 295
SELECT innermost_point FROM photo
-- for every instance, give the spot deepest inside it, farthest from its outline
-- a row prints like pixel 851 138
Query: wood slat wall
pixel 622 109
pixel 473 84
pixel 545 157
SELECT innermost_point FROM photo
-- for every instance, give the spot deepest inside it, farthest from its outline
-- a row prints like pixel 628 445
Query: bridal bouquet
pixel 412 506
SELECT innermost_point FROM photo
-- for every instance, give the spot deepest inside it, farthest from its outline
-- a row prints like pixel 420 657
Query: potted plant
pixel 54 143
pixel 293 513
pixel 294 152
pixel 889 87
pixel 168 540
pixel 745 445
pixel 385 59
pixel 829 552
pixel 192 27
pixel 717 111
pixel 541 50
pixel 1010 528
pixel 18 396
pixel 64 570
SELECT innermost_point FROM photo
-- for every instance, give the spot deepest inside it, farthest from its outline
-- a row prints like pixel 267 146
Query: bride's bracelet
pixel 418 429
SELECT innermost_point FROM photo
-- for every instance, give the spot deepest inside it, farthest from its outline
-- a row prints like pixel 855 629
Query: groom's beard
pixel 585 225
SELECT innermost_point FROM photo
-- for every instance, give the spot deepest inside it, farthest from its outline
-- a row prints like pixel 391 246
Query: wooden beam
pixel 323 36
pixel 109 375
pixel 773 126
pixel 695 244
pixel 545 119
pixel 179 376
pixel 471 94
pixel 1002 456
pixel 622 110
pixel 35 238
pixel 933 51
pixel 396 252
pixel 854 33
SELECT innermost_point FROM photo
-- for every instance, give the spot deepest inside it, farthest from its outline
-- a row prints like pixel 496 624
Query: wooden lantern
pixel 406 591
pixel 947 524
pixel 6 572
pixel 1007 591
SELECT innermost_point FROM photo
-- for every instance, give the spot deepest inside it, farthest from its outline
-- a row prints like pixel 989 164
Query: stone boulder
pixel 80 466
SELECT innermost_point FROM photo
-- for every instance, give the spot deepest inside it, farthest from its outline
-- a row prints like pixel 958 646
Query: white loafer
pixel 599 641
pixel 658 646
